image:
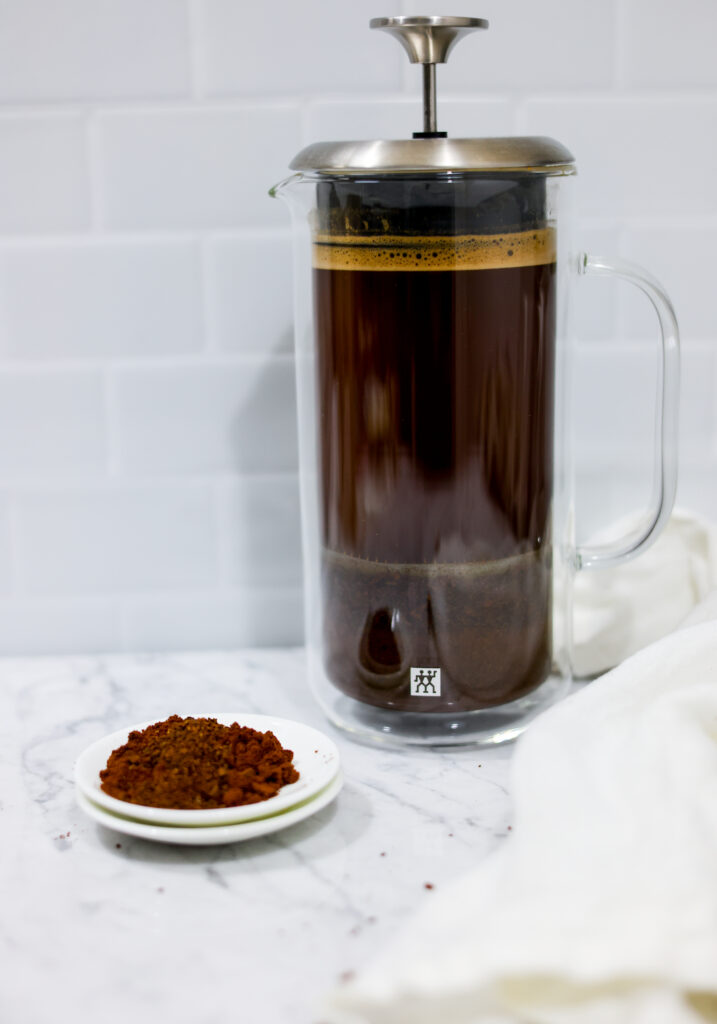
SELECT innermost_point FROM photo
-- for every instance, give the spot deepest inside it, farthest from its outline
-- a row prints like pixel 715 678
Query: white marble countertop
pixel 98 927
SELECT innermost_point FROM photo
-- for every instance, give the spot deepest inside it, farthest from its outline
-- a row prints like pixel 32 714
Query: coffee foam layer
pixel 435 252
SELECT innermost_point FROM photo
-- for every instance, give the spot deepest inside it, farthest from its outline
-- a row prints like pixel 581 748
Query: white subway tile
pixel 605 495
pixel 222 620
pixel 361 118
pixel 697 490
pixel 168 563
pixel 399 117
pixel 44 173
pixel 698 416
pixel 81 49
pixel 312 46
pixel 249 293
pixel 636 157
pixel 614 394
pixel 260 524
pixel 467 117
pixel 529 45
pixel 61 626
pixel 684 260
pixel 100 298
pixel 52 424
pixel 615 390
pixel 223 418
pixel 7 575
pixel 204 168
pixel 107 539
pixel 666 46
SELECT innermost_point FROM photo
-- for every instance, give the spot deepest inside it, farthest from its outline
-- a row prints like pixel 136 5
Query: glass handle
pixel 665 472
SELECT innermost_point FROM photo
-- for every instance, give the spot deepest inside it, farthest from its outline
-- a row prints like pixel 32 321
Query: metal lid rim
pixel 519 153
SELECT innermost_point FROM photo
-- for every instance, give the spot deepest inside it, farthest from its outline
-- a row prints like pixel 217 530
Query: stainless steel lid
pixel 523 153
pixel 428 41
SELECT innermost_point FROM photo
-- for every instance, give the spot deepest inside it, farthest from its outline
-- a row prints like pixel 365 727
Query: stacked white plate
pixel 316 758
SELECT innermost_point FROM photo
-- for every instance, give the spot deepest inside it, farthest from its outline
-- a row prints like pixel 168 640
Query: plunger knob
pixel 428 41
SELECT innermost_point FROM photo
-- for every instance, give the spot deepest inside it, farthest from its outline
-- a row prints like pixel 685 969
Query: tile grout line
pixel 12 515
pixel 618 90
pixel 196 359
pixel 619 46
pixel 141 481
pixel 129 236
pixel 208 335
pixel 113 463
pixel 222 536
pixel 196 59
pixel 97 205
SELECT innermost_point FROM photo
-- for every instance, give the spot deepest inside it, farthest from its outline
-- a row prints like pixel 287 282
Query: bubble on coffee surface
pixel 435 252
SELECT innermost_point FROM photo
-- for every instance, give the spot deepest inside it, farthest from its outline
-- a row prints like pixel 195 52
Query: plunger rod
pixel 429 97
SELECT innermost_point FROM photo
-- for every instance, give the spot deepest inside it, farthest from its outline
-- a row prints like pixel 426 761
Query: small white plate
pixel 316 758
pixel 212 836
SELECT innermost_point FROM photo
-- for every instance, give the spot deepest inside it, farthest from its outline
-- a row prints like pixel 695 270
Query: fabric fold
pixel 601 907
pixel 618 611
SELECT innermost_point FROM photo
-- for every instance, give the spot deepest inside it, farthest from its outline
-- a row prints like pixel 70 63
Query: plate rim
pixel 221 834
pixel 214 817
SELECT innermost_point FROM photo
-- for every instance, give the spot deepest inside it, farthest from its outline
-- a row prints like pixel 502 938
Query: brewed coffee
pixel 436 377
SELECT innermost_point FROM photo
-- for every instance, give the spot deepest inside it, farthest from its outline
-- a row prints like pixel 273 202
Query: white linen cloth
pixel 601 907
pixel 619 611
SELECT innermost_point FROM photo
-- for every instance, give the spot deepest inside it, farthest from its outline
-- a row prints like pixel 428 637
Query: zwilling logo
pixel 425 682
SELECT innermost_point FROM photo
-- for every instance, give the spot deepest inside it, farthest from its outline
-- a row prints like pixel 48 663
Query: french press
pixel 433 358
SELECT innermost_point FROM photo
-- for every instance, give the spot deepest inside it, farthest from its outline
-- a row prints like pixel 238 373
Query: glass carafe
pixel 432 291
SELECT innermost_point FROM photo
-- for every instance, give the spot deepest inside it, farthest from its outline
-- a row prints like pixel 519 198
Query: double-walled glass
pixel 433 382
